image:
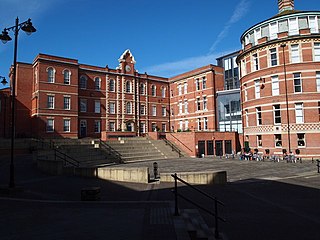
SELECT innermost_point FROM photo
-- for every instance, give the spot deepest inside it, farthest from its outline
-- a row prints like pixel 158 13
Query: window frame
pixel 51 75
pixel 273 57
pixel 112 85
pixel 66 102
pixel 297 82
pixel 277 114
pixel 83 82
pixel 97 83
pixel 97 106
pixel 50 127
pixel 66 127
pixel 66 77
pixel 299 113
pixel 50 101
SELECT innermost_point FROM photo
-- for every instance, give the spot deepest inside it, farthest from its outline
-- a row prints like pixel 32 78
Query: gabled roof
pixel 125 55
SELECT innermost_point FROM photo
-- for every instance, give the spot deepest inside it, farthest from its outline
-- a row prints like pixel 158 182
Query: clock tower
pixel 127 62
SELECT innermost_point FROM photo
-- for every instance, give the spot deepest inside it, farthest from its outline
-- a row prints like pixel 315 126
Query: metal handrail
pixel 216 202
pixel 66 158
pixel 174 148
pixel 111 149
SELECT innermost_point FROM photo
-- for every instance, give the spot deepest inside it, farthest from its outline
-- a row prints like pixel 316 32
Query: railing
pixel 66 158
pixel 45 144
pixel 216 202
pixel 174 148
pixel 110 149
pixel 178 140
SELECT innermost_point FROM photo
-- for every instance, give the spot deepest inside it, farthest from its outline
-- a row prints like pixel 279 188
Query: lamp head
pixel 4 81
pixel 28 28
pixel 4 37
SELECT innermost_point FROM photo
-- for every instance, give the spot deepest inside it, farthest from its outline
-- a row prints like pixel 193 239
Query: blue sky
pixel 166 37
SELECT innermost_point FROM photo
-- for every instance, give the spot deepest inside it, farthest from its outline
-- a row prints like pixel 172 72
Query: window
pixel 198 104
pixel 97 106
pixel 301 141
pixel 50 102
pixel 247 117
pixel 163 127
pixel 51 75
pixel 83 105
pixel 278 140
pixel 154 127
pixel 259 116
pixel 185 106
pixel 257 88
pixel 205 105
pixel 66 77
pixel 128 86
pixel 257 35
pixel 275 85
pixel 198 84
pixel 83 82
pixel 97 126
pixel 111 85
pixel 318 81
pixel 273 30
pixel 153 90
pixel 245 93
pixel 180 107
pixel 142 89
pixel 205 123
pixel 112 126
pixel 273 57
pixel 295 57
pixel 164 111
pixel 129 107
pixel 259 140
pixel 199 124
pixel 313 24
pixel 276 114
pixel 297 82
pixel 293 26
pixel 179 89
pixel 181 125
pixel 163 92
pixel 185 88
pixel 66 125
pixel 317 52
pixel 112 107
pixel 142 127
pixel 255 61
pixel 204 83
pixel 97 83
pixel 186 124
pixel 66 103
pixel 50 125
pixel 142 110
pixel 154 110
pixel 299 112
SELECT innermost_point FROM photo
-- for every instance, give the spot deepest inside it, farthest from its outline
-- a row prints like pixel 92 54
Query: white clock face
pixel 128 68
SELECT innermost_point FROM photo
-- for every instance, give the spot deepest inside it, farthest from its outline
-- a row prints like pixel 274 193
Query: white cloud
pixel 174 68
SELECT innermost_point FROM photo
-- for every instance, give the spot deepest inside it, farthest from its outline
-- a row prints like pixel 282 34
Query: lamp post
pixel 4 37
pixel 286 91
pixel 4 82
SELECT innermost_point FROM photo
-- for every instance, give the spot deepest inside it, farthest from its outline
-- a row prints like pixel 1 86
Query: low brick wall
pixel 125 174
pixel 198 177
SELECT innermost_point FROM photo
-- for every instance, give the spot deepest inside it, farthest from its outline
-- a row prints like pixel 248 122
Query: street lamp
pixel 286 91
pixel 4 80
pixel 4 37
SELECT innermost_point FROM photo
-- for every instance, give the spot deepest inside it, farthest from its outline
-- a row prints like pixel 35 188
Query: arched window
pixel 163 92
pixel 142 89
pixel 129 107
pixel 51 74
pixel 153 90
pixel 111 85
pixel 66 77
pixel 97 83
pixel 128 87
pixel 83 82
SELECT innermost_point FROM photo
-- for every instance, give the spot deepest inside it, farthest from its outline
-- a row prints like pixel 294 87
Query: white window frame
pixel 278 140
pixel 259 141
pixel 277 114
pixel 255 62
pixel 66 125
pixel 164 111
pixel 205 103
pixel 50 125
pixel 153 90
pixel 128 86
pixel 50 101
pixel 273 29
pixel 257 88
pixel 205 123
pixel 199 124
pixel 247 117
pixel 83 105
pixel 303 140
pixel 179 89
pixel 97 83
pixel 154 110
pixel 293 26
pixel 112 85
pixel 297 82
pixel 180 107
pixel 275 85
pixel 185 106
pixel 313 24
pixel 295 53
pixel 185 88
pixel 316 51
pixel 318 81
pixel 66 77
pixel 299 113
pixel 51 74
pixel 112 107
pixel 128 107
pixel 197 84
pixel 163 92
pixel 259 116
pixel 204 83
pixel 112 126
pixel 97 106
pixel 273 57
pixel 97 126
pixel 66 102
pixel 142 109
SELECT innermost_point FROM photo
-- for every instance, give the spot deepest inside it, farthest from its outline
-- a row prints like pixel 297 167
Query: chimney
pixel 285 5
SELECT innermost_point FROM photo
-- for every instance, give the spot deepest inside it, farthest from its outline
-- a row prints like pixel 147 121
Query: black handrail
pixel 111 149
pixel 216 202
pixel 180 142
pixel 66 158
pixel 174 148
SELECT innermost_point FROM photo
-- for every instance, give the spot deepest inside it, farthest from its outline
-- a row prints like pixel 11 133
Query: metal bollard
pixel 155 170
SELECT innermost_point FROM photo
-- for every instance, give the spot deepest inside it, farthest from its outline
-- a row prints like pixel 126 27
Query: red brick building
pixel 280 82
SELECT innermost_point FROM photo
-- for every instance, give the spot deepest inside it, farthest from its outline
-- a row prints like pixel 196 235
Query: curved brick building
pixel 280 82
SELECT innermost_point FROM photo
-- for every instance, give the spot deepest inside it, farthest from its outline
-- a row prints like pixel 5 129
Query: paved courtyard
pixel 263 200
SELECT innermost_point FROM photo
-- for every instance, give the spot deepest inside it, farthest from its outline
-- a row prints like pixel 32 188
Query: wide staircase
pixel 96 153
pixel 136 149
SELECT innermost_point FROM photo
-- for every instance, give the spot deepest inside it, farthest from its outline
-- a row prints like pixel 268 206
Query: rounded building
pixel 280 82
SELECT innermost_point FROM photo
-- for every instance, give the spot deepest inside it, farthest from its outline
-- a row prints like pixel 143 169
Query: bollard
pixel 318 165
pixel 155 170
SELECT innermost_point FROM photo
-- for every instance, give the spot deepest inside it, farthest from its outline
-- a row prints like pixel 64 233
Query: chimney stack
pixel 285 5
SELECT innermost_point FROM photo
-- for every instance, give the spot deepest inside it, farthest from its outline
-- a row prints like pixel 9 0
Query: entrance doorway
pixel 201 148
pixel 210 150
pixel 219 148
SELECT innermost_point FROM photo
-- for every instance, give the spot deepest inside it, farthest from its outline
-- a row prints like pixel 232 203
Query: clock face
pixel 128 68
